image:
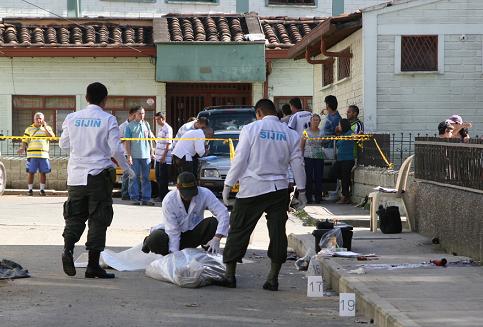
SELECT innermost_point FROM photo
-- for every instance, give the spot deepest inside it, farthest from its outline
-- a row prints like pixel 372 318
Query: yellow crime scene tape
pixel 359 138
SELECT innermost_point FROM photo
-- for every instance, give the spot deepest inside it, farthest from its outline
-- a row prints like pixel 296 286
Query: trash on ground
pixel 358 271
pixel 439 262
pixel 430 264
pixel 367 257
pixel 189 268
pixel 12 270
pixel 302 264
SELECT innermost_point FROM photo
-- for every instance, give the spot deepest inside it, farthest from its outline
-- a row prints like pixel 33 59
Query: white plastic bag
pixel 132 259
pixel 332 240
pixel 189 268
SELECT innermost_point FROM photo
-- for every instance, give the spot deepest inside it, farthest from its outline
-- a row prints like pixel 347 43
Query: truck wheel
pixel 3 178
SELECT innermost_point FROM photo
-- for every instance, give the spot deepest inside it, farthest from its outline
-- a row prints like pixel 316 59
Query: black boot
pixel 68 261
pixel 229 279
pixel 145 247
pixel 229 282
pixel 271 285
pixel 93 269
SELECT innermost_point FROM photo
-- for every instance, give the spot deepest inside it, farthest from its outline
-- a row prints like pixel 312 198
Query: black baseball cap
pixel 186 184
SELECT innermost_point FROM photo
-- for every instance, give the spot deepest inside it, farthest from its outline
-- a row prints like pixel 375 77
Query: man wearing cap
pixel 183 224
pixel 460 128
pixel 265 150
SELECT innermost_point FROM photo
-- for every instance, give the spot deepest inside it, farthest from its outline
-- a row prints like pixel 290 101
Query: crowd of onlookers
pixel 173 157
pixel 454 128
pixel 317 150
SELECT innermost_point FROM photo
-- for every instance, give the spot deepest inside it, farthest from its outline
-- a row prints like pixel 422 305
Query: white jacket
pixel 189 148
pixel 175 220
pixel 92 136
pixel 264 152
pixel 300 121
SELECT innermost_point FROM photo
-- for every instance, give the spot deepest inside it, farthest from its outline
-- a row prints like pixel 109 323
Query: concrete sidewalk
pixel 424 296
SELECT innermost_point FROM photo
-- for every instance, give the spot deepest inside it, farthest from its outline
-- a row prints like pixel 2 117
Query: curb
pixel 369 304
pixel 36 192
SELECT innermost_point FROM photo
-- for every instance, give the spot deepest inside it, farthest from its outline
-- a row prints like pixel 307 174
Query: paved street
pixel 31 235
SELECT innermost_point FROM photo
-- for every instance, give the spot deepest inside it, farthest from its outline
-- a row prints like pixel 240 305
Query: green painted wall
pixel 219 62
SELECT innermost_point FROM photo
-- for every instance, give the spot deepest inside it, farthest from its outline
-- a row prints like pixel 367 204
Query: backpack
pixel 389 220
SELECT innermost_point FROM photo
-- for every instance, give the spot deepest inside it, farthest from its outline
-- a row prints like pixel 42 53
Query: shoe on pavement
pixel 229 282
pixel 68 262
pixel 344 200
pixel 271 286
pixel 42 193
pixel 147 203
pixel 30 193
pixel 98 272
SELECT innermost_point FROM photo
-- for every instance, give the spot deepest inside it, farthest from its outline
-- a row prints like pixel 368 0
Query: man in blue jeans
pixel 122 131
pixel 139 155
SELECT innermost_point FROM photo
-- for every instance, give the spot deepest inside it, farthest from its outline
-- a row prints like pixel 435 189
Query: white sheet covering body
pixel 132 259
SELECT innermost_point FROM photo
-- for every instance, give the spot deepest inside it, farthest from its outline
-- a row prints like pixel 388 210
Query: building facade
pixel 158 8
pixel 412 64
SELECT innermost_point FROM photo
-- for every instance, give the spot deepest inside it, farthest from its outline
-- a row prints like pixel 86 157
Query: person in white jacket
pixel 265 150
pixel 92 138
pixel 189 147
pixel 183 224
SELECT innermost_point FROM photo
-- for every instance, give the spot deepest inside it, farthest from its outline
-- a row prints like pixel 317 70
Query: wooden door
pixel 185 100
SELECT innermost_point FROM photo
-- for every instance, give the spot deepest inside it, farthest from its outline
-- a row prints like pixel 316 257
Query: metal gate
pixel 185 100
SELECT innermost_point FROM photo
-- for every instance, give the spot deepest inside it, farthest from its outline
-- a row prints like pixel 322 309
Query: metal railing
pixel 9 148
pixel 397 146
pixel 450 161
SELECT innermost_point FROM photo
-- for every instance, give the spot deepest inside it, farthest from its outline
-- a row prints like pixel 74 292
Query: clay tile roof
pixel 284 32
pixel 99 34
pixel 211 28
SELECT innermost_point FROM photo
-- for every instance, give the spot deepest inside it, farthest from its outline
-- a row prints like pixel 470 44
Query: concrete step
pixel 418 296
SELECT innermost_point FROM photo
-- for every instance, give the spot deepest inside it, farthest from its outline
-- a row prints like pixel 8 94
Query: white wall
pixel 349 90
pixel 94 8
pixel 257 92
pixel 417 102
pixel 323 9
pixel 354 5
pixel 290 78
pixel 17 8
pixel 159 8
pixel 70 76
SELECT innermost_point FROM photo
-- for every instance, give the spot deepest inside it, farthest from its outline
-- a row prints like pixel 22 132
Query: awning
pixel 211 48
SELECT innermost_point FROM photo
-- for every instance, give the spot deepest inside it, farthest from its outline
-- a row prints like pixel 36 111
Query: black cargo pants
pixel 158 240
pixel 91 203
pixel 244 217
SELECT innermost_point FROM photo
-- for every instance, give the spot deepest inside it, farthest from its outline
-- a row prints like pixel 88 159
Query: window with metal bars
pixel 344 65
pixel 328 73
pixel 54 108
pixel 292 2
pixel 419 53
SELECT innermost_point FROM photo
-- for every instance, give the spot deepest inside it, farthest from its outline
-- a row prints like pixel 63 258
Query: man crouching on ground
pixel 183 223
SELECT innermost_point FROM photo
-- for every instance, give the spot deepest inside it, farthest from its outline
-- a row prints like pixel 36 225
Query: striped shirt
pixel 37 148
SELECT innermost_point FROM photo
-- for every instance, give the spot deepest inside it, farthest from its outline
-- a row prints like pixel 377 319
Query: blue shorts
pixel 41 165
